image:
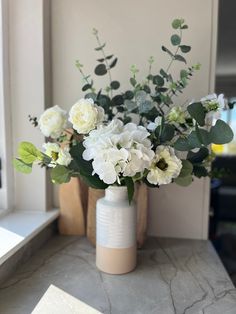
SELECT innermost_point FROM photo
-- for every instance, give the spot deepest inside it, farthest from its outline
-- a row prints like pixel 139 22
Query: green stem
pixel 173 58
pixel 86 80
pixel 106 62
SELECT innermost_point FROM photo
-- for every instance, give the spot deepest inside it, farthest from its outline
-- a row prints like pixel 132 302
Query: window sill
pixel 18 228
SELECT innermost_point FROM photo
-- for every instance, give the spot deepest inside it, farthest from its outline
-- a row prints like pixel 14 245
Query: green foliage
pixel 165 133
pixel 115 84
pixel 199 156
pixel 221 133
pixel 100 69
pixel 130 187
pixel 184 181
pixel 60 174
pixel 21 166
pixel 175 40
pixel 28 153
pixel 197 112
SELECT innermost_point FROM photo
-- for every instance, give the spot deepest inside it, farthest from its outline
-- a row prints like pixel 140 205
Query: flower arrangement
pixel 137 135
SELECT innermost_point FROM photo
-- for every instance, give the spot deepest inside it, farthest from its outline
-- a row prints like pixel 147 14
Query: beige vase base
pixel 116 261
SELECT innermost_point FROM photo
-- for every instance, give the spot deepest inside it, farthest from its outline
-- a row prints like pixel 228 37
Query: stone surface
pixel 172 276
pixel 57 301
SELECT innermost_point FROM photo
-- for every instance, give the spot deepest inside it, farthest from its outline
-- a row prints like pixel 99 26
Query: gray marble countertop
pixel 172 276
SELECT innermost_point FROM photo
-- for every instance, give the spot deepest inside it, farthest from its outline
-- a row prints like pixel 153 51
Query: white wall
pixel 27 91
pixel 134 30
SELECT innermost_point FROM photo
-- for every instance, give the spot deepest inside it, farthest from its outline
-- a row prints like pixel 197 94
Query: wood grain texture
pixel 73 204
pixel 141 197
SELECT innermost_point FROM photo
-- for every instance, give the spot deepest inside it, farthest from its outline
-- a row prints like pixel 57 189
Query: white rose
pixel 165 166
pixel 85 115
pixel 64 157
pixel 52 122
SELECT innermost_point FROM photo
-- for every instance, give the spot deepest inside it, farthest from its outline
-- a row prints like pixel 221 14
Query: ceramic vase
pixel 115 232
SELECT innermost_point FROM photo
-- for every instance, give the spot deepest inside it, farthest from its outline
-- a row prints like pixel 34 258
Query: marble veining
pixel 172 277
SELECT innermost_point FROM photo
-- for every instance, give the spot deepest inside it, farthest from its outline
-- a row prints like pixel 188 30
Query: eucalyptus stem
pixel 176 51
pixel 85 78
pixel 105 60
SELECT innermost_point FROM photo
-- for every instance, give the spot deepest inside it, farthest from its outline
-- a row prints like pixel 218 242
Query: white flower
pixel 58 155
pixel 176 115
pixel 213 103
pixel 52 122
pixel 165 166
pixel 64 157
pixel 85 115
pixel 153 125
pixel 118 150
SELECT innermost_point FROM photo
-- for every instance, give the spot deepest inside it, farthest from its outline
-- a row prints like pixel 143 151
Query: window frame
pixel 6 191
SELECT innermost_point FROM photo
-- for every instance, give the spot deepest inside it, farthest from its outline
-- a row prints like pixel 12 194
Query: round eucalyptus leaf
pixel 100 69
pixel 175 40
pixel 115 84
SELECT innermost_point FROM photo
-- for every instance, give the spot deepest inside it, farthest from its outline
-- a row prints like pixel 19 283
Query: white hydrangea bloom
pixel 52 122
pixel 165 166
pixel 118 150
pixel 85 115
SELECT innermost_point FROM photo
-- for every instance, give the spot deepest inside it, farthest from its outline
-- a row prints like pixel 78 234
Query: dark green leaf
pixel 185 49
pixel 197 112
pixel 86 87
pixel 221 133
pixel 130 188
pixel 163 73
pixel 94 182
pixel 91 95
pixel 193 140
pixel 109 57
pixel 182 144
pixel 158 80
pixel 175 40
pixel 198 156
pixel 180 58
pixel 113 63
pixel 203 136
pixel 21 166
pixel 100 69
pixel 165 132
pixel 200 171
pixel 118 100
pixel 60 174
pixel 147 89
pixel 115 84
pixel 184 27
pixel 101 60
pixel 129 95
pixel 167 50
pixel 101 47
pixel 133 81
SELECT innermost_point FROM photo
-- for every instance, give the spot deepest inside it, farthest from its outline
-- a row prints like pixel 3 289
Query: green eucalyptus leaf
pixel 221 133
pixel 60 174
pixel 130 188
pixel 163 73
pixel 21 166
pixel 118 100
pixel 180 58
pixel 197 112
pixel 29 153
pixel 182 144
pixel 113 63
pixel 129 95
pixel 200 171
pixel 86 87
pixel 175 40
pixel 203 136
pixel 145 106
pixel 101 47
pixel 184 48
pixel 158 80
pixel 165 132
pixel 115 84
pixel 91 95
pixel 100 69
pixel 176 23
pixel 130 105
pixel 199 156
pixel 187 168
pixel 184 181
pixel 167 50
pixel 193 140
pixel 109 57
pixel 133 81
